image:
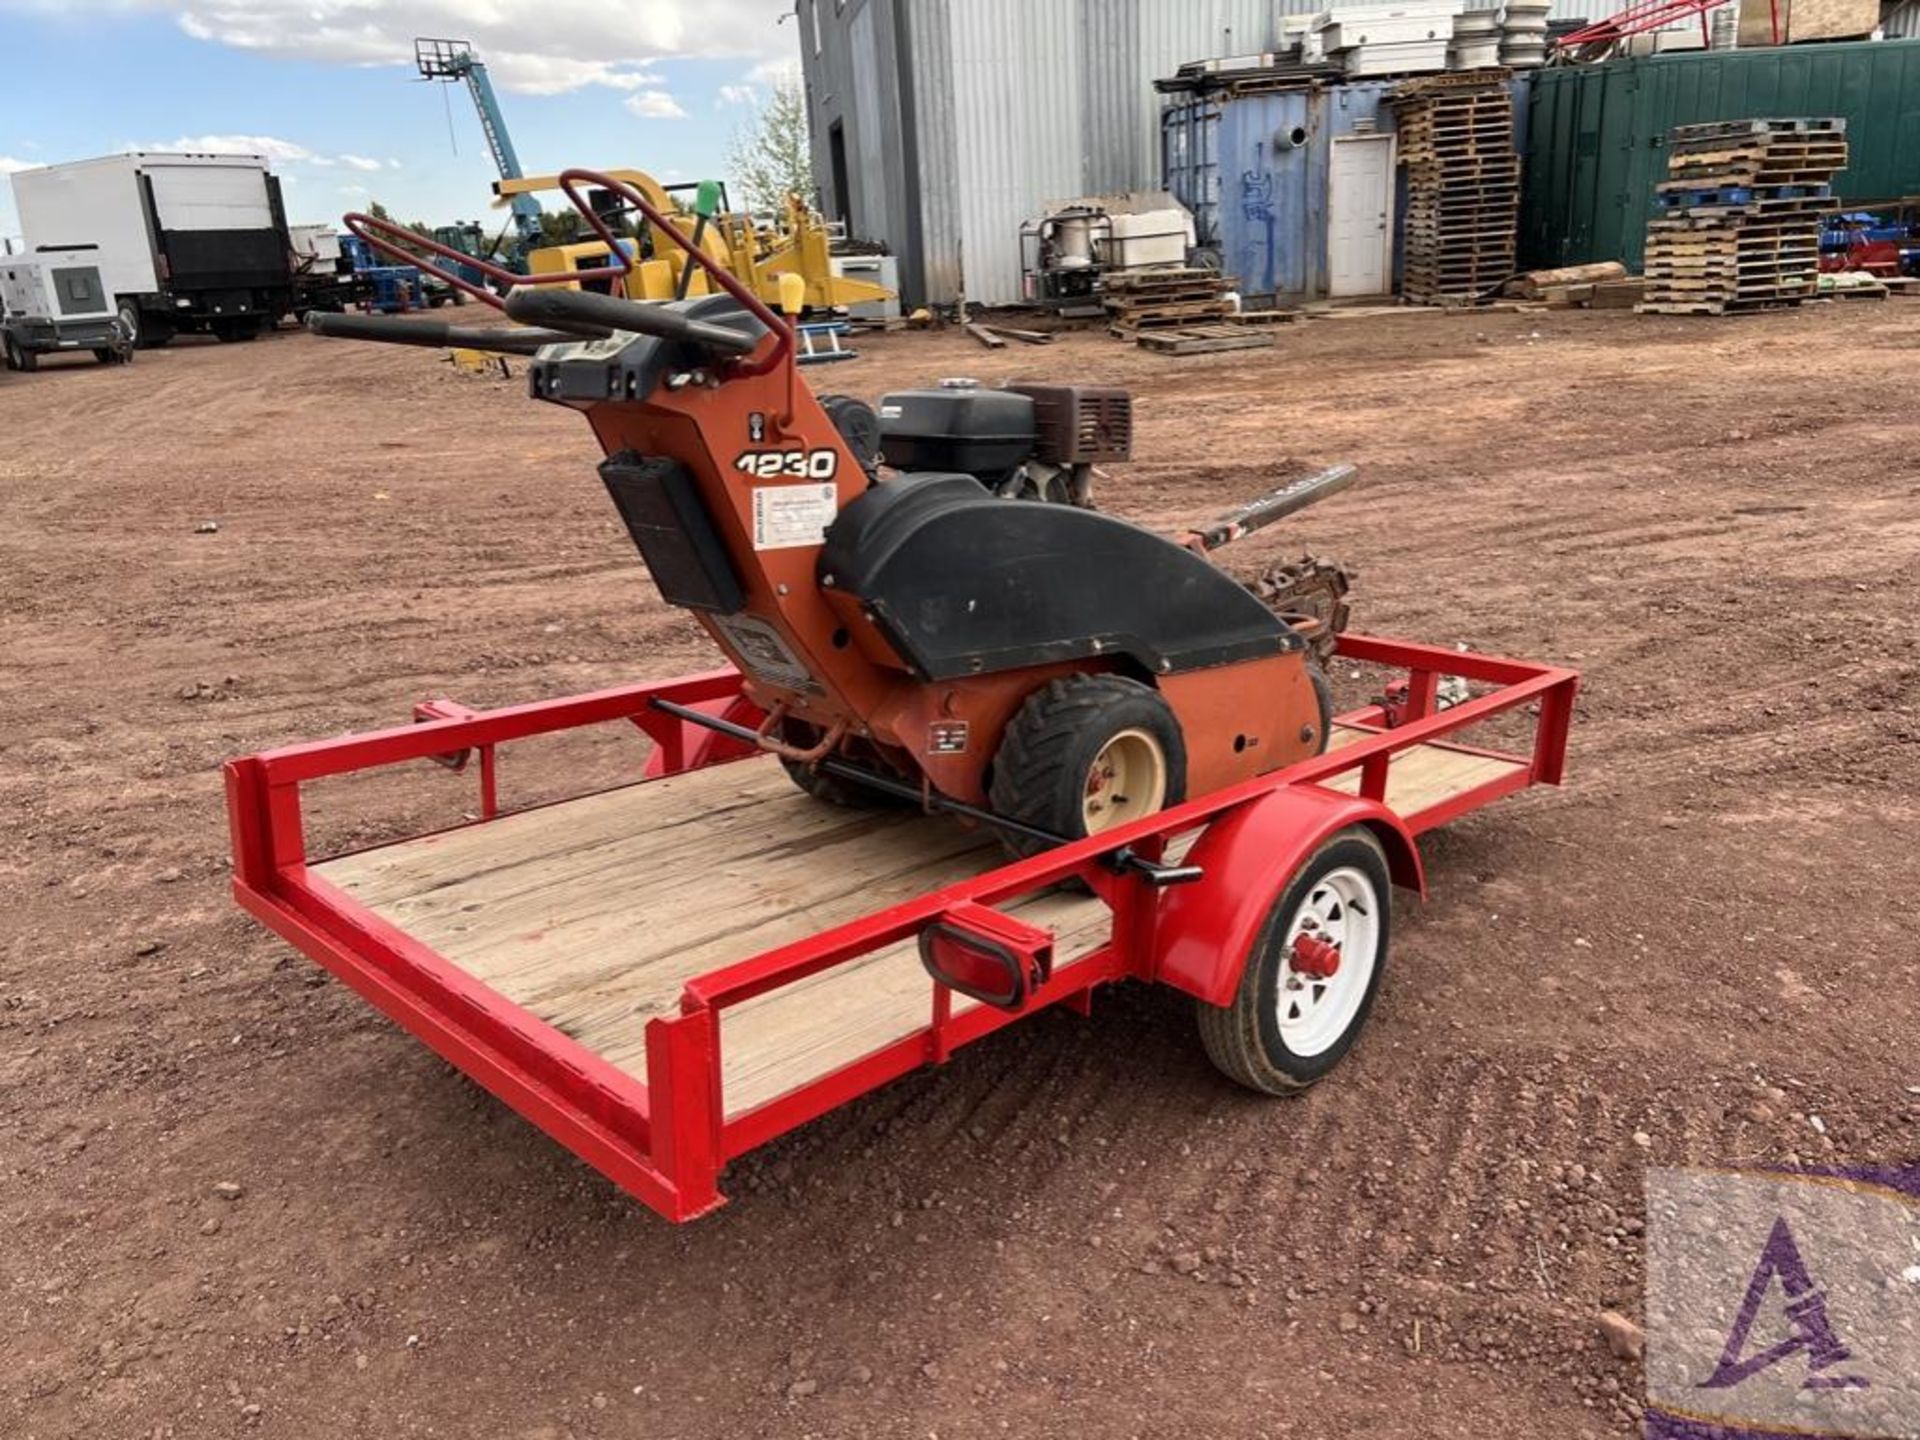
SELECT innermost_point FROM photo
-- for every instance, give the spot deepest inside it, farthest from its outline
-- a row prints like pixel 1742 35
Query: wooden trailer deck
pixel 593 914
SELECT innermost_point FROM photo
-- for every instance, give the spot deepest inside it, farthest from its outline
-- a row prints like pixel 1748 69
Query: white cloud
pixel 353 190
pixel 359 162
pixel 8 164
pixel 739 95
pixel 537 47
pixel 783 69
pixel 655 105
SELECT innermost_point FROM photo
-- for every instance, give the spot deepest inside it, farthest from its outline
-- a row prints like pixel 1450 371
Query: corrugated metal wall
pixel 1049 100
pixel 1016 126
pixel 1597 134
pixel 1125 46
pixel 1902 22
pixel 983 111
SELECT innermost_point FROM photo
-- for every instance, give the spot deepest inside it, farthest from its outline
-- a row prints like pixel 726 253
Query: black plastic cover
pixel 660 502
pixel 962 582
pixel 629 366
pixel 980 432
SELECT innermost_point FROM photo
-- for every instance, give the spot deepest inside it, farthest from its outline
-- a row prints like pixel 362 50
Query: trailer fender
pixel 1208 928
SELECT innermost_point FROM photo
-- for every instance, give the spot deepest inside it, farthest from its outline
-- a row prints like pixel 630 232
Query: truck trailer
pixel 188 242
pixel 55 302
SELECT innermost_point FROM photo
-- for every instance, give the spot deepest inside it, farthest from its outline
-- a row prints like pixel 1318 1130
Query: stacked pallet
pixel 1738 225
pixel 1141 300
pixel 1463 185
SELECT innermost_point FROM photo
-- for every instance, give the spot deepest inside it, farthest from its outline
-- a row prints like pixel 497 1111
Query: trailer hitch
pixel 1122 859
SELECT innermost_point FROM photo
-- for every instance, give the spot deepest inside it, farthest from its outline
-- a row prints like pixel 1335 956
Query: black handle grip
pixel 435 334
pixel 578 309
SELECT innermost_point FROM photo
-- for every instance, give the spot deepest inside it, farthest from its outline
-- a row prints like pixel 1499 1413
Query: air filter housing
pixel 1079 424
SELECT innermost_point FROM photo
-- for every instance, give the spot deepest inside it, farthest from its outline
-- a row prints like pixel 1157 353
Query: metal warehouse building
pixel 940 125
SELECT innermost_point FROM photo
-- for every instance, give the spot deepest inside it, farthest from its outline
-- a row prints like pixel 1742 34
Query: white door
pixel 1360 216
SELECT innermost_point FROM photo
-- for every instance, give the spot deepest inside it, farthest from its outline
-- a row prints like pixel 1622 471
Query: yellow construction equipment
pixel 758 255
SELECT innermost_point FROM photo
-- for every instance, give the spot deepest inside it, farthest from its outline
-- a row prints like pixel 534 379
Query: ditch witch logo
pixel 1782 1305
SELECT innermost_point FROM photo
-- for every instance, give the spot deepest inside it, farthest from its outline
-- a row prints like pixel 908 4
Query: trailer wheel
pixel 1086 753
pixel 1312 976
pixel 130 322
pixel 20 358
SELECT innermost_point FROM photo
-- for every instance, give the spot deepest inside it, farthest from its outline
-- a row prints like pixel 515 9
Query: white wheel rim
pixel 1127 779
pixel 1343 910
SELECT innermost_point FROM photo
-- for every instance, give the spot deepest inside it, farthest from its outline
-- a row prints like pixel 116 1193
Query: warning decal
pixel 788 516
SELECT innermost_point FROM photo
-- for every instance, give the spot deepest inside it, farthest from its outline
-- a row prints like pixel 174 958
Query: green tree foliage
pixel 771 157
pixel 560 227
pixel 418 227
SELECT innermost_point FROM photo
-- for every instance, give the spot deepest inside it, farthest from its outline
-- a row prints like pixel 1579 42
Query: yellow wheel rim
pixel 1127 779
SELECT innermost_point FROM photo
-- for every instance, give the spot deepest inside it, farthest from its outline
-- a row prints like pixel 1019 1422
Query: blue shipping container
pixel 1253 169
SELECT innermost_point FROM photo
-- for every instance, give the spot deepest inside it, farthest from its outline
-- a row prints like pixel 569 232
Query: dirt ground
pixel 1698 946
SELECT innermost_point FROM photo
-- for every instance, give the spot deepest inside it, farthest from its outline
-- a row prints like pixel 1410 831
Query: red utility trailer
pixel 666 974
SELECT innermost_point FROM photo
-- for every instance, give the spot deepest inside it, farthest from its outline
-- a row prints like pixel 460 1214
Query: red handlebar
pixel 404 244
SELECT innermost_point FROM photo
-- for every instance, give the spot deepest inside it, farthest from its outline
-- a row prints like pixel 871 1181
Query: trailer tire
pixel 130 322
pixel 20 358
pixel 831 789
pixel 1323 696
pixel 1044 772
pixel 1286 1028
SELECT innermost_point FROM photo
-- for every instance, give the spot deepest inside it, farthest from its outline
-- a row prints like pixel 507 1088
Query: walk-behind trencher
pixel 980 749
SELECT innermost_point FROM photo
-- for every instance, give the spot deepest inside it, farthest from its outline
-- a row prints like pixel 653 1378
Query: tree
pixel 771 157
pixel 559 227
pixel 418 227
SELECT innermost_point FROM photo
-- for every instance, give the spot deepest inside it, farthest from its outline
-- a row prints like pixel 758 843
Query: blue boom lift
pixel 451 60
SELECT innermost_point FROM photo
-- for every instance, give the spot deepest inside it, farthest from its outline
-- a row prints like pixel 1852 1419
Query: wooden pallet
pixel 1757 152
pixel 1132 280
pixel 1163 316
pixel 1662 307
pixel 1207 339
pixel 1169 293
pixel 1719 129
pixel 1757 173
pixel 1463 186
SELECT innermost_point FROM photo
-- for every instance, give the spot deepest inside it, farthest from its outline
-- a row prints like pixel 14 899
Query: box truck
pixel 56 301
pixel 187 242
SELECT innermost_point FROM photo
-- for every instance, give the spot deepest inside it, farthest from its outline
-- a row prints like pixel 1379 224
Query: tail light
pixel 990 956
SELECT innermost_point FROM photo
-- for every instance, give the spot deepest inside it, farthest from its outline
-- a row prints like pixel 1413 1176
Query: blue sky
pixel 327 88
